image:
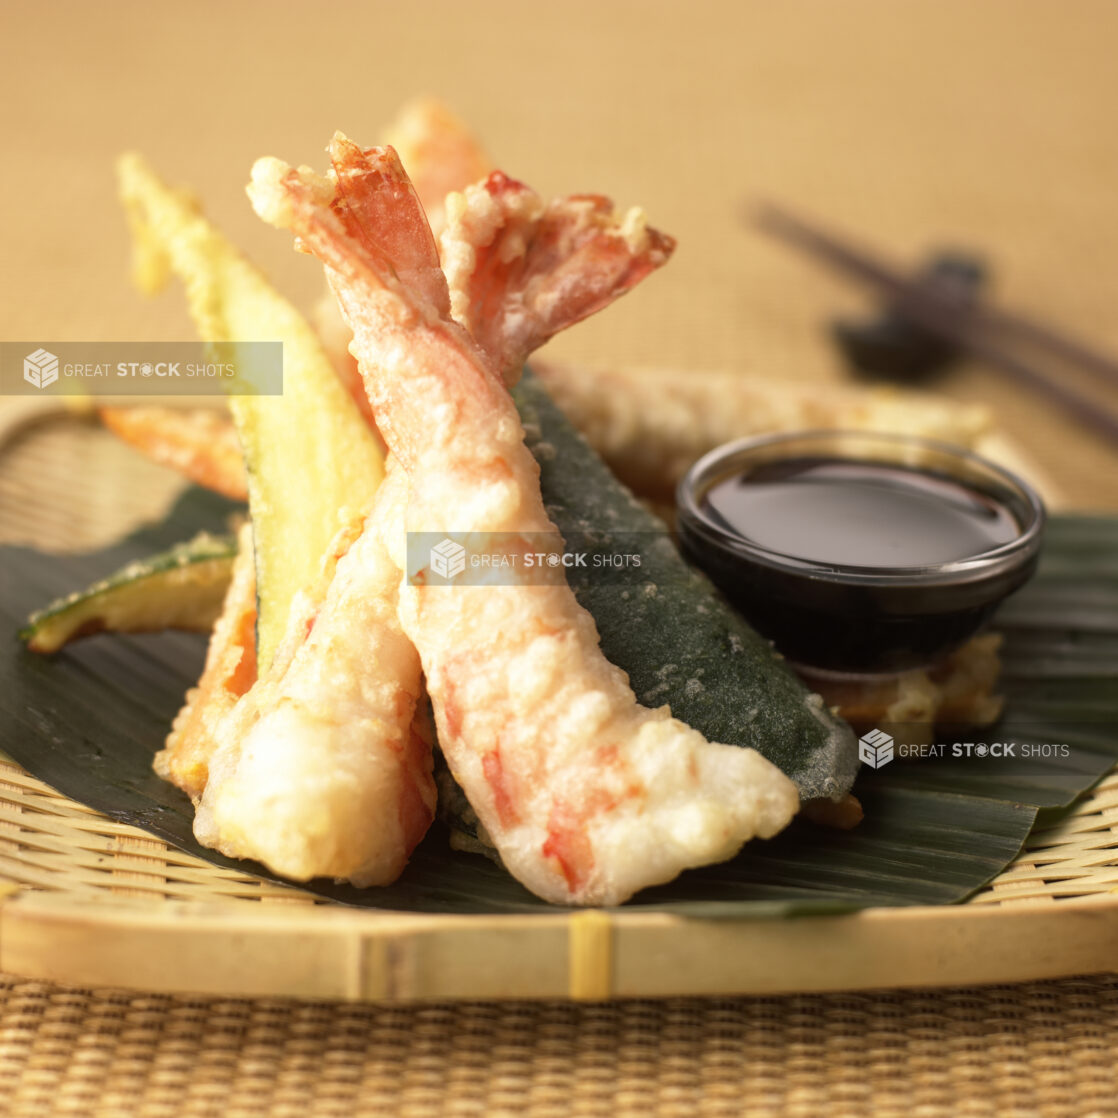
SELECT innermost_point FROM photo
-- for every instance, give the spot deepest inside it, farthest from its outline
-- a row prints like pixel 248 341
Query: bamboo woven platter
pixel 94 902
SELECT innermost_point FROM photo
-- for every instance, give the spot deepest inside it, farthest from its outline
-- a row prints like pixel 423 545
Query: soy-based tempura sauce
pixel 859 552
pixel 859 513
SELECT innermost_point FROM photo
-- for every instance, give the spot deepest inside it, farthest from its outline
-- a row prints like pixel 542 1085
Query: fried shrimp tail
pixel 588 796
pixel 519 270
pixel 441 154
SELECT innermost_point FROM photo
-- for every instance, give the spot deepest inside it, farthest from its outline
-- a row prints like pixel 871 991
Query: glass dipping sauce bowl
pixel 853 617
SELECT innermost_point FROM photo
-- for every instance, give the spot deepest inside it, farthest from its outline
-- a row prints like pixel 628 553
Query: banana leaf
pixel 88 721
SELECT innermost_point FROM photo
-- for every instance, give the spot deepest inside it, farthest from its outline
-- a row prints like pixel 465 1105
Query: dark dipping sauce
pixel 859 552
pixel 861 514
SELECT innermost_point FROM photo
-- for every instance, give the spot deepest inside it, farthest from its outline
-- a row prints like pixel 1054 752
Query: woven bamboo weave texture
pixel 1037 1050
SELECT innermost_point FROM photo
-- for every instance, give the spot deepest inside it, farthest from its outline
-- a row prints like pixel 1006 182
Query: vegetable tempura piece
pixel 588 795
pixel 181 588
pixel 650 425
pixel 309 452
pixel 201 443
pixel 229 672
pixel 958 690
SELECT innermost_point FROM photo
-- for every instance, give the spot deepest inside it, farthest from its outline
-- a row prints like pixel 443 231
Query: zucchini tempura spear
pixel 310 456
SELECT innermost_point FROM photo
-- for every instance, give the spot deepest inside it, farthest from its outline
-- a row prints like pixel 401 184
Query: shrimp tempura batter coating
pixel 588 796
pixel 323 769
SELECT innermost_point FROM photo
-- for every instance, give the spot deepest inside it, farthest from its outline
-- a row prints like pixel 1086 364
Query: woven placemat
pixel 1040 1050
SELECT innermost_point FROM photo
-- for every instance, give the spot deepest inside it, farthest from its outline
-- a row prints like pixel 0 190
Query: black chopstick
pixel 975 328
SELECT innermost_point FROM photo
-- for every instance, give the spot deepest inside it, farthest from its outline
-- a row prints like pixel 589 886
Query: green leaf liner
pixel 88 721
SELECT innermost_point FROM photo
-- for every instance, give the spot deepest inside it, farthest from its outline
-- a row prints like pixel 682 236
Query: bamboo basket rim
pixel 366 955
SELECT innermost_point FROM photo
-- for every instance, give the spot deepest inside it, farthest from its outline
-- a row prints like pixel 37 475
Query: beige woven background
pixel 986 123
pixel 980 123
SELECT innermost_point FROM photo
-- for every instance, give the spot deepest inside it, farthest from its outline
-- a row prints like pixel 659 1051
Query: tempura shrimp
pixel 324 767
pixel 588 796
pixel 317 786
pixel 442 156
